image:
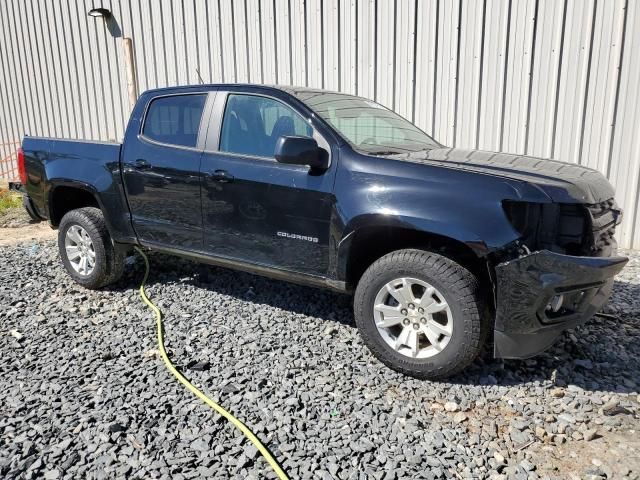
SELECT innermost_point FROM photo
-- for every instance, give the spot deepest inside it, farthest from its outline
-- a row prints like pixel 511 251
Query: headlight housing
pixel 523 216
pixel 558 227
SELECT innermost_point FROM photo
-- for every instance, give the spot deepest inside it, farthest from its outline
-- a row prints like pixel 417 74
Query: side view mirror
pixel 301 151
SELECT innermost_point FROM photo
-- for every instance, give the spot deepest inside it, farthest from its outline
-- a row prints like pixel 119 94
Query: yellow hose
pixel 219 409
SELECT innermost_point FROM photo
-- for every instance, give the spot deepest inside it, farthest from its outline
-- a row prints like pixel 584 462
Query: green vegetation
pixel 8 201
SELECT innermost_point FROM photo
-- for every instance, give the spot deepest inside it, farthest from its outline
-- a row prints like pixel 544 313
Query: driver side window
pixel 253 124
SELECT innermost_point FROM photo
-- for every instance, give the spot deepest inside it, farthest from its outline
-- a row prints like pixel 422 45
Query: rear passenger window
pixel 175 120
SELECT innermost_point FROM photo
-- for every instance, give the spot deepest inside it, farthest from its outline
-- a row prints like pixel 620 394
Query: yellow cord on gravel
pixel 219 409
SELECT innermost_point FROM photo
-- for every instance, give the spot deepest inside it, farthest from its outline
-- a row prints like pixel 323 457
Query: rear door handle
pixel 141 164
pixel 221 176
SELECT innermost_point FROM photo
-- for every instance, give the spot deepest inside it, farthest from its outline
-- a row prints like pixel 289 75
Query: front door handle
pixel 221 176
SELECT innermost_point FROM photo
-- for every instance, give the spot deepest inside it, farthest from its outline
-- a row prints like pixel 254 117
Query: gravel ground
pixel 83 393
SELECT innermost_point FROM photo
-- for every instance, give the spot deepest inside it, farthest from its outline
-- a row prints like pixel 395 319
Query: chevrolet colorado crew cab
pixel 445 249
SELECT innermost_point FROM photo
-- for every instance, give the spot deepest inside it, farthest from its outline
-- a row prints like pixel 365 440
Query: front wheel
pixel 420 313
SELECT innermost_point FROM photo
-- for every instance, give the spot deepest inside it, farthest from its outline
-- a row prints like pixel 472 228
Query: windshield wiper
pixel 384 152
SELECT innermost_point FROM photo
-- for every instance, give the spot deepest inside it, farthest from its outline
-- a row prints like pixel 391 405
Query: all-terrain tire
pixel 109 260
pixel 461 291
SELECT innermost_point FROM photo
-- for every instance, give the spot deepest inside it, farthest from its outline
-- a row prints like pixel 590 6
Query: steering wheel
pixel 369 141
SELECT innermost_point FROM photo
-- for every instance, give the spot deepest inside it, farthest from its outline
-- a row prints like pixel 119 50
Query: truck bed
pixel 52 163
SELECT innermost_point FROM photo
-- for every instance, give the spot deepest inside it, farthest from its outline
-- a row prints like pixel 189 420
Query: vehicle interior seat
pixel 243 129
pixel 283 127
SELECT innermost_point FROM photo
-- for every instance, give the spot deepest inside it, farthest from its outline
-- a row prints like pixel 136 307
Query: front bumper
pixel 525 326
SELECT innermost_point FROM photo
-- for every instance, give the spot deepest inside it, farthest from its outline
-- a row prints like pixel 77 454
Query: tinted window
pixel 175 119
pixel 252 125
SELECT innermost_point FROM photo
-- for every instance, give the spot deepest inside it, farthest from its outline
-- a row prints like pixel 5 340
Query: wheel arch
pixel 66 196
pixel 366 244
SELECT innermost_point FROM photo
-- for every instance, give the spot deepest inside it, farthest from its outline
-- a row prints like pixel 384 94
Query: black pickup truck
pixel 445 249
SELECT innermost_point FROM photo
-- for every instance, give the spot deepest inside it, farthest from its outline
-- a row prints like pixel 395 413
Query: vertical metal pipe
pixel 130 66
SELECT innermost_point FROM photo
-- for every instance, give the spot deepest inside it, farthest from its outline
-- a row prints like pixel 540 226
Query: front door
pixel 161 170
pixel 255 209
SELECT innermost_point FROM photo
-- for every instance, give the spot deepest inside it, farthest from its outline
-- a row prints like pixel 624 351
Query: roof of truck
pixel 293 90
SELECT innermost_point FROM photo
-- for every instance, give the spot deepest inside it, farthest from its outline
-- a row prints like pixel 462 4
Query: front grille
pixel 602 220
pixel 566 228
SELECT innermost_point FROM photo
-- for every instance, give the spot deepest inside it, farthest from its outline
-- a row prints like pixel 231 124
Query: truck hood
pixel 560 181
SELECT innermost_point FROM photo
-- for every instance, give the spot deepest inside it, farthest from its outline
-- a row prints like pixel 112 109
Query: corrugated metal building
pixel 552 78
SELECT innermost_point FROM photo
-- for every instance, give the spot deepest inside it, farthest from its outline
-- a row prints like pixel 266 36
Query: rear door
pixel 256 210
pixel 161 170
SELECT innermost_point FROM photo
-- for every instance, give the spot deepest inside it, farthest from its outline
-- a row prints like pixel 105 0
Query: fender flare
pixel 426 226
pixel 55 184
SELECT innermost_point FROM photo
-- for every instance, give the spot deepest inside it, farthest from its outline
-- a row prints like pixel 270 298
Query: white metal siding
pixel 551 78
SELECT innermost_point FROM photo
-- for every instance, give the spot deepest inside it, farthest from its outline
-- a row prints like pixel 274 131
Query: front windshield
pixel 366 125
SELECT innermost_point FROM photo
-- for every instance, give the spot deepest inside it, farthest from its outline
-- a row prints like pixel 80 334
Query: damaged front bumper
pixel 541 294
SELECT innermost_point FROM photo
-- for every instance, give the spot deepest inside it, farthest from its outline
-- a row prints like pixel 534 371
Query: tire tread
pixel 458 279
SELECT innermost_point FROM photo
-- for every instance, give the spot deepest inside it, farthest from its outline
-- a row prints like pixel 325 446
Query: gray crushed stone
pixel 83 393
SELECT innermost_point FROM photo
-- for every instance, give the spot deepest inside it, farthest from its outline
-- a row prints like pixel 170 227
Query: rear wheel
pixel 420 313
pixel 87 252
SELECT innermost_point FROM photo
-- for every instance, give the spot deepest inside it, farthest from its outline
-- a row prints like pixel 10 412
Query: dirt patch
pixel 15 217
pixel 17 227
pixel 26 233
pixel 614 454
